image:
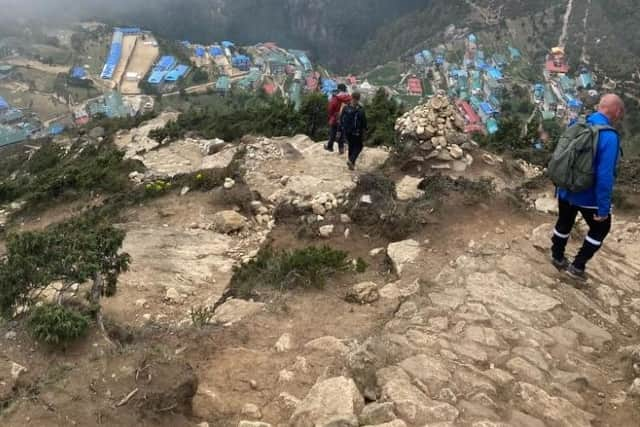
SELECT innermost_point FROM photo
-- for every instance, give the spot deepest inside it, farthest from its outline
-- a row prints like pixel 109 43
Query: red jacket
pixel 335 105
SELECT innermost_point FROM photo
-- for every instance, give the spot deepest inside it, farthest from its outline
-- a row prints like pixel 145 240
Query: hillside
pixel 258 282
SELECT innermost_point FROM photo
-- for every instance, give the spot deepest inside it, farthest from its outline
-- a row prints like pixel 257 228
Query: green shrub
pixel 85 170
pixel 157 188
pixel 201 316
pixel 303 268
pixel 81 249
pixel 55 325
pixel 361 265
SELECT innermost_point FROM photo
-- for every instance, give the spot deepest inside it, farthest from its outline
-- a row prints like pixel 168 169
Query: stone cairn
pixel 434 132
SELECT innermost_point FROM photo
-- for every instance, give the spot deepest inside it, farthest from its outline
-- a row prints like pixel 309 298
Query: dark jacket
pixel 353 120
pixel 607 155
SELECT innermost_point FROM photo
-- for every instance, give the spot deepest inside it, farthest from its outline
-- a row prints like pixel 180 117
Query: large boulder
pixel 363 293
pixel 333 402
pixel 407 188
pixel 228 222
pixel 403 253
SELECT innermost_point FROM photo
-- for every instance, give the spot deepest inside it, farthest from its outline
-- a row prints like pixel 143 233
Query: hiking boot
pixel 576 274
pixel 560 265
pixel 341 150
pixel 326 147
pixel 350 165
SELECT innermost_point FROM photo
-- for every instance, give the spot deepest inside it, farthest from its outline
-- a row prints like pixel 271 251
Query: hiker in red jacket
pixel 335 106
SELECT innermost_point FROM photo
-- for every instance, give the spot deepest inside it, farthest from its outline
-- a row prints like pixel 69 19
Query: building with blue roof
pixel 428 56
pixel 227 44
pixel 55 129
pixel 216 51
pixel 538 92
pixel 157 77
pixel 165 63
pixel 495 74
pixel 78 73
pixel 473 38
pixel 418 59
pixel 439 60
pixel 199 51
pixel 575 104
pixel 481 65
pixel 492 126
pixel 486 111
pixel 241 62
pixel 177 73
pixel 113 58
pixel 328 86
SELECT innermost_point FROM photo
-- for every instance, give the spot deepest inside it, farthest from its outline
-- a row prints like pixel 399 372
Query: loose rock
pixel 284 344
pixel 363 293
pixel 228 222
pixel 336 400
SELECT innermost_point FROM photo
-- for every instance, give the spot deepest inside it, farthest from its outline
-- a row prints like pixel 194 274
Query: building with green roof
pixel 12 135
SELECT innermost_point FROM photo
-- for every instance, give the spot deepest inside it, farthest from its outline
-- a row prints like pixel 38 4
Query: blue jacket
pixel 607 155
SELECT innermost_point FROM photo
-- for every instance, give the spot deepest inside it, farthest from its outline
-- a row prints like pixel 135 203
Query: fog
pixel 67 10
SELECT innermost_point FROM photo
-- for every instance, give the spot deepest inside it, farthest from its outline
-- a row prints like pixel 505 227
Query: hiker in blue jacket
pixel 593 204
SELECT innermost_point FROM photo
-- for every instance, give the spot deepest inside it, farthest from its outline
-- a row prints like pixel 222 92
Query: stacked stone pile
pixel 435 131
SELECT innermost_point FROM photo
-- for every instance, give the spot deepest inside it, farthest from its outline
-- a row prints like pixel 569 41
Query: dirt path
pixel 21 62
pixel 565 25
pixel 583 55
pixel 129 43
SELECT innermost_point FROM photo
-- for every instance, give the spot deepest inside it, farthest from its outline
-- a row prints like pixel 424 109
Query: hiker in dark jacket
pixel 593 204
pixel 354 126
pixel 336 104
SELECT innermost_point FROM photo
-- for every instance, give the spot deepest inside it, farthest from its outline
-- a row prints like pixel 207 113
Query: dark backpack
pixel 572 164
pixel 351 120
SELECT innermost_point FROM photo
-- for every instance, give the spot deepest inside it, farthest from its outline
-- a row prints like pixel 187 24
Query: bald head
pixel 612 106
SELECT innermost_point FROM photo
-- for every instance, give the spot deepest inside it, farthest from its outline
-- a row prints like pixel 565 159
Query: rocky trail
pixel 463 323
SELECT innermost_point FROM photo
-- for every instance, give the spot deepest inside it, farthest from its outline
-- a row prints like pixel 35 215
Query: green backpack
pixel 571 166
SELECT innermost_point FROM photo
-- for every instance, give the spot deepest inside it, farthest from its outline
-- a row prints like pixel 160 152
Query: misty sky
pixel 65 10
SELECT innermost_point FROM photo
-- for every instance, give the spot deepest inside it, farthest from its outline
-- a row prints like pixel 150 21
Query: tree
pixel 83 249
pixel 508 137
pixel 200 76
pixel 314 115
pixel 382 113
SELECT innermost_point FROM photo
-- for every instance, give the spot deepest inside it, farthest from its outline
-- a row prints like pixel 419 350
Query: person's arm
pixel 365 126
pixel 608 151
pixel 339 115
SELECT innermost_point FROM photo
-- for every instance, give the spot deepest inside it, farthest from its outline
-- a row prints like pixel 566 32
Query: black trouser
pixel 355 147
pixel 598 231
pixel 334 130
